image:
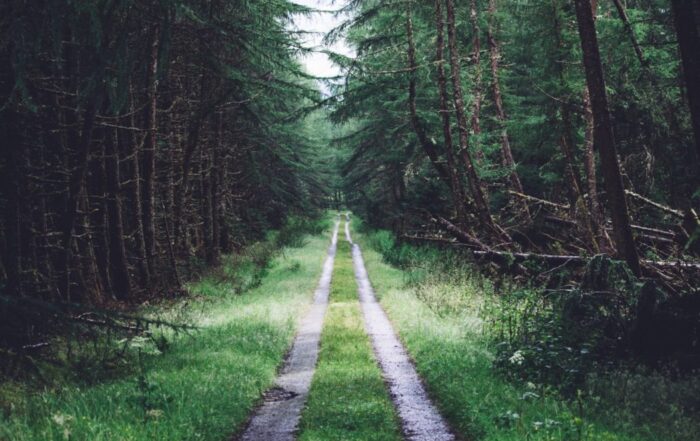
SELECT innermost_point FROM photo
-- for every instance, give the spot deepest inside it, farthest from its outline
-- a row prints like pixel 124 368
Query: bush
pixel 580 342
pixel 296 227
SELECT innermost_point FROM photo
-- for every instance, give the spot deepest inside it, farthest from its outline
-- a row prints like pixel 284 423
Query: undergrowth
pixel 542 363
pixel 193 385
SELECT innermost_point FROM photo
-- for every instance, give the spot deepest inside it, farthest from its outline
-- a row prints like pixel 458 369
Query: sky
pixel 320 23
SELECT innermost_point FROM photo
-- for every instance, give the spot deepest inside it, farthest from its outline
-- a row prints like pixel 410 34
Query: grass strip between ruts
pixel 348 398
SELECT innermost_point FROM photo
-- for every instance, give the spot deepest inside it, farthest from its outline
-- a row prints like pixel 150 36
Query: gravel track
pixel 276 419
pixel 420 419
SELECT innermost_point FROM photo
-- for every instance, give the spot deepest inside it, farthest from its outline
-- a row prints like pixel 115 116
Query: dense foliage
pixel 525 124
pixel 543 137
pixel 142 140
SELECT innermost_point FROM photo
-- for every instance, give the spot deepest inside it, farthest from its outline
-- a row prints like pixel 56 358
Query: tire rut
pixel 420 419
pixel 276 419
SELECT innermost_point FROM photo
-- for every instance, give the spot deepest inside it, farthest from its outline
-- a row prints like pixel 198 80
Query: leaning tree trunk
pixel 482 206
pixel 622 13
pixel 603 136
pixel 455 182
pixel 579 209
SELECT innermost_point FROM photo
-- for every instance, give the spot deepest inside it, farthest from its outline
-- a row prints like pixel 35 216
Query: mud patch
pixel 279 394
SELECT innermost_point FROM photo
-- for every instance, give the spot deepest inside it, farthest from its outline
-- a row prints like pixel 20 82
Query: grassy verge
pixel 348 398
pixel 440 323
pixel 199 387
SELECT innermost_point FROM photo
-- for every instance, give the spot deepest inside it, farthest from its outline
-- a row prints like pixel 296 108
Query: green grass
pixel 348 398
pixel 452 355
pixel 203 386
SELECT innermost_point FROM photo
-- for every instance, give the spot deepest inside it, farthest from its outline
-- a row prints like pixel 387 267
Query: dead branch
pixel 538 200
pixel 460 234
pixel 651 203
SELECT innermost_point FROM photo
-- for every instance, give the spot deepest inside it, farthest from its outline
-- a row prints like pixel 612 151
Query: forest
pixel 522 176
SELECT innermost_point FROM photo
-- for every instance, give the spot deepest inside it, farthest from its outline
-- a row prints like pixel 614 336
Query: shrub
pixel 296 227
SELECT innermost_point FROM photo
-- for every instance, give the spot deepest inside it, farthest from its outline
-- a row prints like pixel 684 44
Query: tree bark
pixel 603 136
pixel 506 152
pixel 476 61
pixel 480 202
pixel 119 267
pixel 75 190
pixel 458 195
pixel 149 155
pixel 685 15
pixel 428 147
pixel 133 151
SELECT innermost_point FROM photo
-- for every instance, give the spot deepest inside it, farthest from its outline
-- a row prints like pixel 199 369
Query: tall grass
pixel 451 320
pixel 199 386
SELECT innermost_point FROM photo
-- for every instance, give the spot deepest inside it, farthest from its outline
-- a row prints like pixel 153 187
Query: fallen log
pixel 111 324
pixel 430 239
pixel 664 208
pixel 656 231
pixel 460 234
pixel 538 200
pixel 559 259
pixel 555 259
pixel 656 238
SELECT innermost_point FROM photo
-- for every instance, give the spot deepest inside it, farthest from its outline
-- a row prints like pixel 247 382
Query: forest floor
pixel 378 370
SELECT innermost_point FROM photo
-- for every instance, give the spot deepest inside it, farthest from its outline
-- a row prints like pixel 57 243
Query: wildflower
pixel 517 358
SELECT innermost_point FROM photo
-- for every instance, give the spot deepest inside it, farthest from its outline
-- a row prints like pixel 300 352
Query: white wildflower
pixel 517 358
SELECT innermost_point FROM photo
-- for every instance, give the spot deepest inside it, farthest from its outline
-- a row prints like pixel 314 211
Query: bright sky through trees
pixel 318 24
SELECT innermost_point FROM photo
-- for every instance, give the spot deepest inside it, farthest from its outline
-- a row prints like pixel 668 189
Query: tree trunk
pixel 575 189
pixel 96 187
pixel 480 201
pixel 206 202
pixel 579 208
pixel 426 144
pixel 686 15
pixel 133 151
pixel 603 136
pixel 181 195
pixel 589 160
pixel 75 190
pixel 506 152
pixel 216 192
pixel 149 155
pixel 630 32
pixel 11 190
pixel 476 61
pixel 119 268
pixel 455 181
